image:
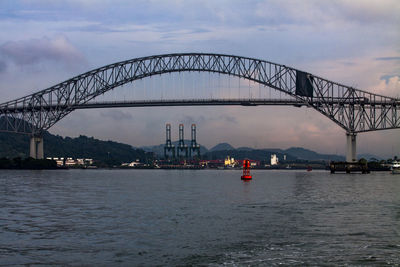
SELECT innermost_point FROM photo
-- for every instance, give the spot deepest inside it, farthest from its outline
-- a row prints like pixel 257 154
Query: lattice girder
pixel 352 109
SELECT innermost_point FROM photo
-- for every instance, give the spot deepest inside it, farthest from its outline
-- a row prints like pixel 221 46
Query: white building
pixel 70 162
pixel 274 160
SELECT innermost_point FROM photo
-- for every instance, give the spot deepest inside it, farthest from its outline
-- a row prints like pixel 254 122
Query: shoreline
pixel 205 169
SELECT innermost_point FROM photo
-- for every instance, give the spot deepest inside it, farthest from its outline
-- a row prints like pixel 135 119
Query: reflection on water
pixel 186 217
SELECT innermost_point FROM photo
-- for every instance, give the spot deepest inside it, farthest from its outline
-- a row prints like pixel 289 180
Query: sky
pixel 354 42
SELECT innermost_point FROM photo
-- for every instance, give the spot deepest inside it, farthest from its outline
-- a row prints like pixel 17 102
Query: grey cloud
pixel 318 12
pixel 188 120
pixel 3 66
pixel 129 28
pixel 388 58
pixel 375 11
pixel 348 63
pixel 116 115
pixel 99 28
pixel 228 118
pixel 33 51
pixel 208 12
pixel 200 30
pixel 386 78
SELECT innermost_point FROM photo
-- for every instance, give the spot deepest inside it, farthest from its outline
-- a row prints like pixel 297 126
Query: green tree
pixel 363 161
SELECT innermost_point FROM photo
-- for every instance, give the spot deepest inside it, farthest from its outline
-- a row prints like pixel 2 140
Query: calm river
pixel 198 217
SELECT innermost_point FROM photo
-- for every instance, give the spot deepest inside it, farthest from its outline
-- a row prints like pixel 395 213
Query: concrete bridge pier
pixel 351 148
pixel 36 148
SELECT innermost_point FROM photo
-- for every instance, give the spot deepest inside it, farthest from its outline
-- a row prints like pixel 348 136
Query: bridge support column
pixel 36 149
pixel 351 149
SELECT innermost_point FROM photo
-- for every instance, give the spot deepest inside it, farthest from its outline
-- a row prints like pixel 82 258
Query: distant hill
pixel 245 148
pixel 302 153
pixel 14 145
pixel 369 157
pixel 17 145
pixel 255 154
pixel 222 146
pixel 224 149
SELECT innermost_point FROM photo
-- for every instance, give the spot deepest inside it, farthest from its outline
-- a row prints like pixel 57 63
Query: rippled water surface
pixel 200 217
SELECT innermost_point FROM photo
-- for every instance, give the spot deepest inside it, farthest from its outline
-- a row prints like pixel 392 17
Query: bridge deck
pixel 191 102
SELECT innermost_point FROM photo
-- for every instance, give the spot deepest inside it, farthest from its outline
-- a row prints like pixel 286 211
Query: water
pixel 200 217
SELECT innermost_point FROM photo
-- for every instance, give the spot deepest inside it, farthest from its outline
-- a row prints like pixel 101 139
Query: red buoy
pixel 246 170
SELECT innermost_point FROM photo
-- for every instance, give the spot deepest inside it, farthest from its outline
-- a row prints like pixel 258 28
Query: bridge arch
pixel 352 109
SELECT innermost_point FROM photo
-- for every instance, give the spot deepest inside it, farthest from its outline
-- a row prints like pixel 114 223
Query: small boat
pixel 395 167
pixel 309 168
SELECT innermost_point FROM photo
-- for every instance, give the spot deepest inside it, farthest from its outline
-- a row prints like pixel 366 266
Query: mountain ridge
pixel 224 149
pixel 16 145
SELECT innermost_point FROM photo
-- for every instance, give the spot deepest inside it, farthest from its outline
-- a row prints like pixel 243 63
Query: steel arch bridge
pixel 352 109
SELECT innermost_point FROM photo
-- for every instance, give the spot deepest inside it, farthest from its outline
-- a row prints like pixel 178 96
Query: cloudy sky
pixel 354 42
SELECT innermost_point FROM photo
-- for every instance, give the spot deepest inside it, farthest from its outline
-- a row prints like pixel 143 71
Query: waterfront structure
pixel 182 147
pixel 354 110
pixel 169 147
pixel 395 167
pixel 182 150
pixel 230 162
pixel 132 164
pixel 194 147
pixel 274 160
pixel 59 161
pixel 70 162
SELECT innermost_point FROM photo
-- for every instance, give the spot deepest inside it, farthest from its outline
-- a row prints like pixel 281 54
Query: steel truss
pixel 352 109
